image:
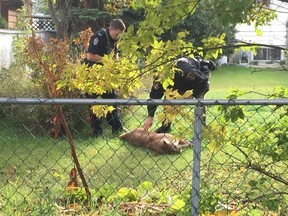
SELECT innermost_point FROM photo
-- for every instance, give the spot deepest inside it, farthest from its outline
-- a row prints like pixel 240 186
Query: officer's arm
pixel 96 47
pixel 93 57
pixel 156 92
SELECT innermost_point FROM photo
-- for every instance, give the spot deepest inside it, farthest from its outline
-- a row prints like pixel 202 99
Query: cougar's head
pixel 170 147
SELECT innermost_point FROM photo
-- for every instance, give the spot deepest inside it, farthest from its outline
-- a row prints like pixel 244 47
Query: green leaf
pixel 272 205
pixel 133 195
pixel 253 183
pixel 60 84
pixel 144 187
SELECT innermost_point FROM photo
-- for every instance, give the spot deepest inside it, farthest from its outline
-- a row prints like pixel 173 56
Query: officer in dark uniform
pixel 103 43
pixel 193 74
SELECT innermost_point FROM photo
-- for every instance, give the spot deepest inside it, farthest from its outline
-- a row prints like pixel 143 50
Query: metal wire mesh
pixel 238 162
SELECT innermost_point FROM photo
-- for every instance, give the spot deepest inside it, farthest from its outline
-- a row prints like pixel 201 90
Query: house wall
pixel 6 44
pixel 274 34
pixel 9 12
pixel 6 55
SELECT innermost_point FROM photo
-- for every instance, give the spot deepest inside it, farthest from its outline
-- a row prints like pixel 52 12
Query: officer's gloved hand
pixel 207 65
pixel 205 70
pixel 211 65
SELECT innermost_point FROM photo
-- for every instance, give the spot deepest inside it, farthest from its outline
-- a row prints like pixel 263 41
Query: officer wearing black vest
pixel 103 42
pixel 193 75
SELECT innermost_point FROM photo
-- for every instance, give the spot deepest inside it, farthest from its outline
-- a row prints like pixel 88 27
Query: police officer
pixel 193 74
pixel 103 42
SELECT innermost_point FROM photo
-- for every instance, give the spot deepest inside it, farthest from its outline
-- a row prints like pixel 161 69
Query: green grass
pixel 262 81
pixel 32 165
pixel 36 168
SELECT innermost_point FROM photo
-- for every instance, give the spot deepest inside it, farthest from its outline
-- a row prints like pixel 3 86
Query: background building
pixel 42 25
pixel 9 12
pixel 275 34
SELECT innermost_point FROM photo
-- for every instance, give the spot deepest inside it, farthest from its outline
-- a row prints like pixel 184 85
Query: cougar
pixel 160 142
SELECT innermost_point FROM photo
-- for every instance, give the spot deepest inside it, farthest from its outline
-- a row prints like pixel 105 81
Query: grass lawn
pixel 34 168
pixel 258 80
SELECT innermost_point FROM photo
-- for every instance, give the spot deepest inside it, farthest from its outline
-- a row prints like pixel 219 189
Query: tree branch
pixel 56 21
pixel 271 175
pixel 249 201
pixel 260 169
pixel 245 44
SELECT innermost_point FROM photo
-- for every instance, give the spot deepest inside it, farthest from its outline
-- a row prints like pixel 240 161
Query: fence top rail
pixel 135 101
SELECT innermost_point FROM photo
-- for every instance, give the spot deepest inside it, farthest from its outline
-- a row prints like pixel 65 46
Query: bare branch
pixel 56 21
pixel 244 44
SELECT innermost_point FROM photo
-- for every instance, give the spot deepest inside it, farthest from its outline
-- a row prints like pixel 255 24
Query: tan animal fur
pixel 159 142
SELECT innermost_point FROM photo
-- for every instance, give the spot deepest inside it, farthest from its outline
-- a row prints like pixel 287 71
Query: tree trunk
pixel 60 14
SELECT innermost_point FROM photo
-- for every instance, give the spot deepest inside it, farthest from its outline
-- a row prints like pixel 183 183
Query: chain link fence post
pixel 195 196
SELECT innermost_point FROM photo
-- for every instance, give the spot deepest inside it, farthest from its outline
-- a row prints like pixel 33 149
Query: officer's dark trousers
pixel 112 117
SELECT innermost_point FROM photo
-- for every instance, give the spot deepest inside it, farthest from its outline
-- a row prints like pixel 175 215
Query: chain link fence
pixel 236 164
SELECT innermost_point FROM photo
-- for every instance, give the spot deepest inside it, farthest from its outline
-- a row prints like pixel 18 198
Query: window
pixel 13 17
pixel 268 54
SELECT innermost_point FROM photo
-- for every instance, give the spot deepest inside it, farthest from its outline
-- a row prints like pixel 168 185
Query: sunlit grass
pixel 261 81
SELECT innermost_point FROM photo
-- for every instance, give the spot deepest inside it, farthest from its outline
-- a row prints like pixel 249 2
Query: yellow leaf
pixel 178 204
pixel 167 83
pixel 213 146
pixel 258 32
pixel 161 117
pixel 243 169
pixel 215 55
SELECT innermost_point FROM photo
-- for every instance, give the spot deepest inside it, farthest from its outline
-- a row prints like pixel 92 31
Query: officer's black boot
pixel 165 128
pixel 114 121
pixel 96 125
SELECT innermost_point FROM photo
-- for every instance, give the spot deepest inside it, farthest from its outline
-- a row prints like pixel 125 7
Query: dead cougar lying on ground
pixel 159 142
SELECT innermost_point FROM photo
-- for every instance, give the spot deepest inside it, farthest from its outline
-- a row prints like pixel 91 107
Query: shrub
pixel 16 82
pixel 3 23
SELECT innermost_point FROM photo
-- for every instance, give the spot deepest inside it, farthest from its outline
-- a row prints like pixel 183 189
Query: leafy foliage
pixel 132 200
pixel 199 26
pixel 144 42
pixel 71 16
pixel 3 22
pixel 50 60
pixel 256 153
